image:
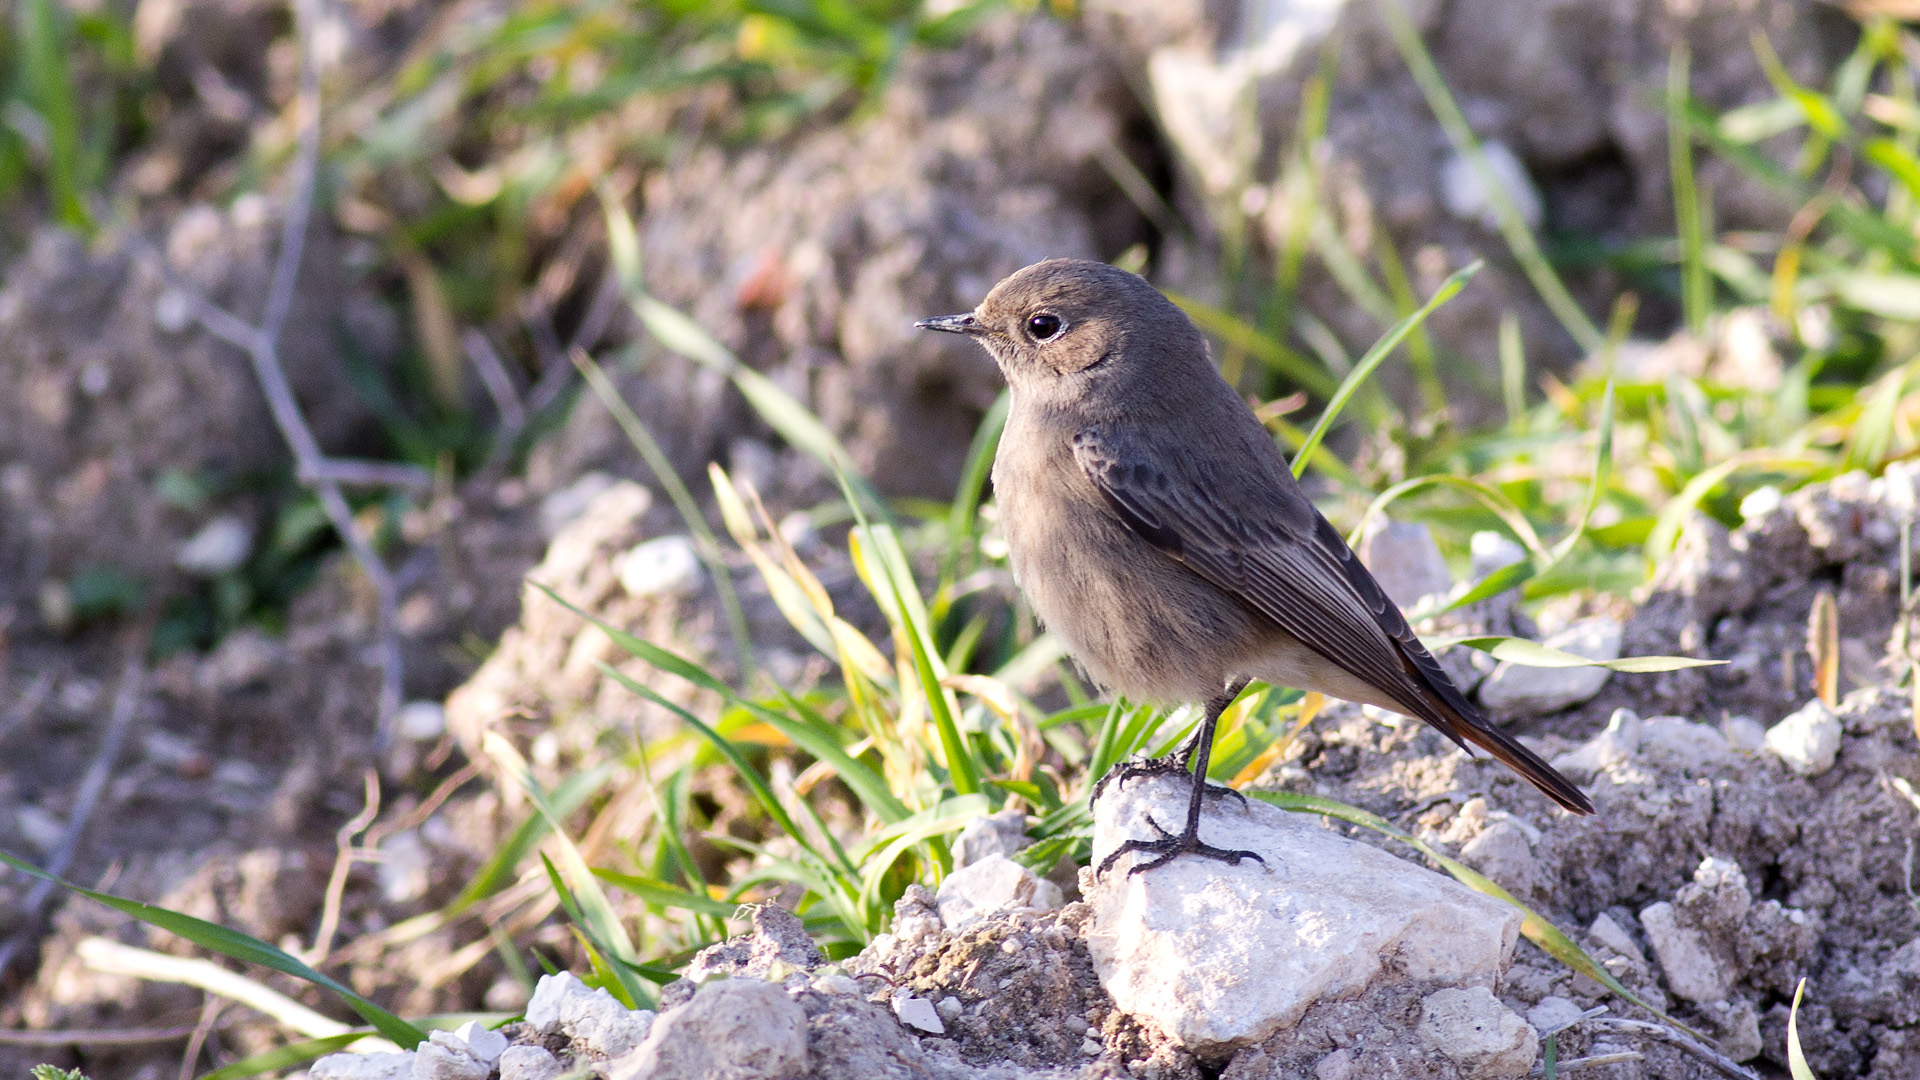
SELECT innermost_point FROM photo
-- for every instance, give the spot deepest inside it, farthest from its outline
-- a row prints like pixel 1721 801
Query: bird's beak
pixel 953 324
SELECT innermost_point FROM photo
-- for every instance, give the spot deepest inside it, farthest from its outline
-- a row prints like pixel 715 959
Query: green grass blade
pixel 1374 357
pixel 1696 289
pixel 1513 227
pixel 283 1058
pixel 600 920
pixel 1513 372
pixel 664 895
pixel 499 870
pixel 1533 654
pixel 238 946
pixel 866 783
pixel 973 482
pixel 1280 359
pixel 696 522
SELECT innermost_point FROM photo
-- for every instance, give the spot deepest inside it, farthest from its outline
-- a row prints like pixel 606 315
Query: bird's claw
pixel 1170 765
pixel 1170 847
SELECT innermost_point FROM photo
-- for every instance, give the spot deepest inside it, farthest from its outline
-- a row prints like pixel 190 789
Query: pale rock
pixel 732 1029
pixel 777 946
pixel 1004 833
pixel 1760 502
pixel 1502 850
pixel 1614 936
pixel 1745 735
pixel 1465 191
pixel 444 1057
pixel 835 983
pixel 1735 1025
pixel 994 884
pixel 1693 971
pixel 917 1012
pixel 665 566
pixel 1483 1038
pixel 363 1067
pixel 1615 745
pixel 561 508
pixel 529 1062
pixel 1808 741
pixel 220 547
pixel 1221 956
pixel 1673 743
pixel 1536 691
pixel 1338 1065
pixel 483 1043
pixel 421 721
pixel 562 1004
pixel 1490 551
pixel 1553 1012
pixel 1404 560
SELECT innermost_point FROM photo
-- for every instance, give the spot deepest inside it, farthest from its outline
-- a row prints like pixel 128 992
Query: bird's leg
pixel 1181 760
pixel 1169 846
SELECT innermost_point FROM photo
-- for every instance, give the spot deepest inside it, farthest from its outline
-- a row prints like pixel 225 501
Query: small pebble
pixel 1090 1047
pixel 1011 946
pixel 950 1008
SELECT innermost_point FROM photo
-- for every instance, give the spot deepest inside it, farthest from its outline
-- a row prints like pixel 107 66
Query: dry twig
pixel 126 705
pixel 261 343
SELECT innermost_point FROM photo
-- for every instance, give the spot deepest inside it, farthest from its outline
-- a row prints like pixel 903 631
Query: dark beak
pixel 953 324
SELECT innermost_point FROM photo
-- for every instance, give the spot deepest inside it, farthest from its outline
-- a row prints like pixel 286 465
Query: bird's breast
pixel 1136 619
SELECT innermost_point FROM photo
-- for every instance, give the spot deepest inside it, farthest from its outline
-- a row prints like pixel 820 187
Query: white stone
pixel 1808 741
pixel 1760 502
pixel 1490 551
pixel 363 1067
pixel 421 721
pixel 1535 691
pixel 528 1062
pixel 1674 743
pixel 994 884
pixel 1464 189
pixel 950 1008
pixel 485 1044
pixel 221 546
pixel 917 1012
pixel 1615 745
pixel 1483 1038
pixel 444 1057
pixel 1004 833
pixel 562 507
pixel 739 1029
pixel 1405 561
pixel 1221 956
pixel 665 566
pixel 1614 936
pixel 835 983
pixel 1693 971
pixel 1745 735
pixel 591 1017
pixel 1553 1013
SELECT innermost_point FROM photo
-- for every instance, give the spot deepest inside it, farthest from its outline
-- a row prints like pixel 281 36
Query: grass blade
pixel 1348 387
pixel 1533 654
pixel 1520 239
pixel 1696 289
pixel 238 946
pixel 669 480
pixel 1796 1057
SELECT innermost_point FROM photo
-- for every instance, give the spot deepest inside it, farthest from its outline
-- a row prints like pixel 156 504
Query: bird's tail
pixel 1517 757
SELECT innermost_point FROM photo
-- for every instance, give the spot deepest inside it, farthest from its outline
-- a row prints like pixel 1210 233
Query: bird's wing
pixel 1259 538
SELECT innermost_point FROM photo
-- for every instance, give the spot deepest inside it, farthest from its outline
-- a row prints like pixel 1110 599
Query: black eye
pixel 1043 327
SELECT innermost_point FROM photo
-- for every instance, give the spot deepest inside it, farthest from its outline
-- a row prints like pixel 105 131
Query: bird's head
pixel 1068 325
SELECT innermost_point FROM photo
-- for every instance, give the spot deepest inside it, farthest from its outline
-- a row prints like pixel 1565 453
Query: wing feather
pixel 1272 549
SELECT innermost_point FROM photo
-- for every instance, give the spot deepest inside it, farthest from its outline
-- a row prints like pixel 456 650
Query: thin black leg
pixel 1169 846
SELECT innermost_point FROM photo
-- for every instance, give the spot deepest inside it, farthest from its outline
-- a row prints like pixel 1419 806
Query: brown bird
pixel 1155 527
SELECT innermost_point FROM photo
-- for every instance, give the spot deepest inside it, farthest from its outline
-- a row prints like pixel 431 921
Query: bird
pixel 1154 526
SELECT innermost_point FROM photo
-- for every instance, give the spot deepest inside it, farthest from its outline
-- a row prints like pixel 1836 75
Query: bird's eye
pixel 1043 327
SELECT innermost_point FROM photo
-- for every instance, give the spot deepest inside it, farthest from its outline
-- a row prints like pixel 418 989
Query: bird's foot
pixel 1171 765
pixel 1170 847
pixel 1134 768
